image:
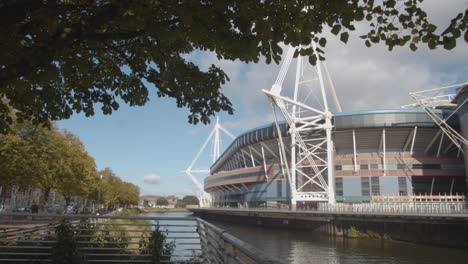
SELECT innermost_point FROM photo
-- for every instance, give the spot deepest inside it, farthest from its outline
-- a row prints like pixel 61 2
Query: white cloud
pixel 152 179
pixel 365 78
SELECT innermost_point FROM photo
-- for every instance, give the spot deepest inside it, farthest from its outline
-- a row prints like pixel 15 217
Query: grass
pixel 133 228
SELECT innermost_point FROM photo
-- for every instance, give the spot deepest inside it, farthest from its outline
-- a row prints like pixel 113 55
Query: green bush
pixel 354 233
pixel 65 249
pixel 157 246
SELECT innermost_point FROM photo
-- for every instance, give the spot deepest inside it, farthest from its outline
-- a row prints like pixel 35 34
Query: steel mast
pixel 441 98
pixel 214 138
pixel 311 176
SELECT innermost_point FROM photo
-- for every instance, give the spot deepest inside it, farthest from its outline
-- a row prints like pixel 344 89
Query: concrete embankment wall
pixel 443 230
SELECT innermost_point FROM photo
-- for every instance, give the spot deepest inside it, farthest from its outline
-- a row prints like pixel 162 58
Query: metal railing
pixel 43 238
pixel 384 206
pixel 415 207
pixel 221 247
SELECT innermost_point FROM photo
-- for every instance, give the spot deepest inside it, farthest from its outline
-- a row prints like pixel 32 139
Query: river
pixel 297 247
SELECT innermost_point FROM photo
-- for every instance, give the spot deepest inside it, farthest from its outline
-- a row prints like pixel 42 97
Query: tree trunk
pixel 67 200
pixel 45 197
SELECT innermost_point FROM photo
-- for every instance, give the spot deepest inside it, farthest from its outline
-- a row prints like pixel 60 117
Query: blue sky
pixel 156 139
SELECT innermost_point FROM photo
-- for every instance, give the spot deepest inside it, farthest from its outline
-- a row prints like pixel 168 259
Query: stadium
pixel 377 153
pixel 310 156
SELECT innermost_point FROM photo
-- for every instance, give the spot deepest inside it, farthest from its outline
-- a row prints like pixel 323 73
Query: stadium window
pixel 338 167
pixel 452 166
pixel 364 167
pixel 431 166
pixel 375 185
pixel 402 186
pixel 374 166
pixel 417 166
pixel 401 166
pixel 279 188
pixel 339 186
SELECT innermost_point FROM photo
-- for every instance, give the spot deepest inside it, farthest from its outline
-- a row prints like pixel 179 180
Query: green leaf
pixel 466 36
pixel 391 3
pixel 336 29
pixel 313 59
pixel 449 43
pixel 368 43
pixel 359 15
pixel 344 37
pixel 323 42
pixel 413 47
pixel 431 28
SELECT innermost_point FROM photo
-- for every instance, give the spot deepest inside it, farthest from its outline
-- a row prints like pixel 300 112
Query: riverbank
pixel 448 230
pixel 163 210
pixel 302 247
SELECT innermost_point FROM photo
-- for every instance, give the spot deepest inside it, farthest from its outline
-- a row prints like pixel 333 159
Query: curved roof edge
pixel 342 121
pixel 387 111
pixel 260 127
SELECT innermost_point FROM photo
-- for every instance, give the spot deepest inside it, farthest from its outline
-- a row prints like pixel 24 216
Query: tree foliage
pixel 79 177
pixel 46 158
pixel 162 201
pixel 116 192
pixel 52 160
pixel 180 204
pixel 190 200
pixel 61 57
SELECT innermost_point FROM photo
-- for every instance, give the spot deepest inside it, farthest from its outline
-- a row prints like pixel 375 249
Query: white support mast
pixel 441 98
pixel 214 138
pixel 309 118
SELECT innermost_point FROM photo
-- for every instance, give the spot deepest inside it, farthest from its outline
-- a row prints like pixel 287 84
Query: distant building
pixel 172 201
pixel 148 200
pixel 151 201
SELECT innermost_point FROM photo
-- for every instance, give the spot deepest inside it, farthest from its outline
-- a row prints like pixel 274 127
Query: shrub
pixel 157 246
pixel 65 249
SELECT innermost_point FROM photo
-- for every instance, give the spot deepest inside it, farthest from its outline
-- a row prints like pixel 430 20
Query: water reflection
pixel 301 247
pixel 293 246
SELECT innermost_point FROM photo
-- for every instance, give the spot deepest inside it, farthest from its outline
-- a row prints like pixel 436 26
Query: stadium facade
pixel 378 153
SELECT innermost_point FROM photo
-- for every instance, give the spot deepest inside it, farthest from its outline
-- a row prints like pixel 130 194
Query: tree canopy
pixel 62 57
pixel 48 159
pixel 190 200
pixel 162 201
pixel 116 192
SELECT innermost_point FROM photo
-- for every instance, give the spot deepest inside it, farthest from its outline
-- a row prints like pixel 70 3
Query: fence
pixel 430 208
pixel 41 238
pixel 221 247
pixel 430 205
